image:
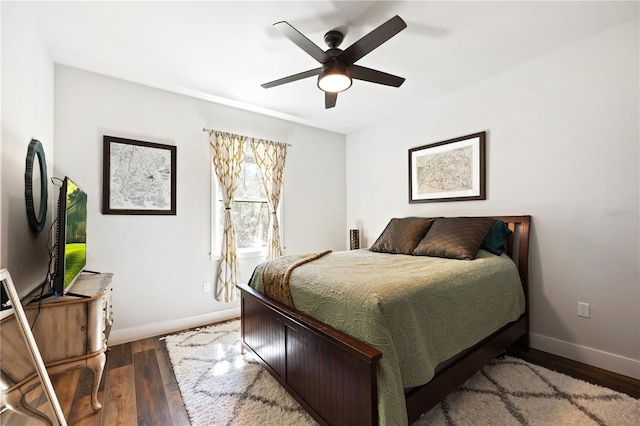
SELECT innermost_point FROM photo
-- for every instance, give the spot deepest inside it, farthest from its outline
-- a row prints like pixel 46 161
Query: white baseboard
pixel 594 357
pixel 156 329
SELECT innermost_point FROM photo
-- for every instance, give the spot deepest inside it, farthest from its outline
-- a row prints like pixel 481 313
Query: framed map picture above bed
pixel 138 177
pixel 451 170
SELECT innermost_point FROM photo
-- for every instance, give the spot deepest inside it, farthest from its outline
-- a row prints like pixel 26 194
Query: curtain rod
pixel 205 130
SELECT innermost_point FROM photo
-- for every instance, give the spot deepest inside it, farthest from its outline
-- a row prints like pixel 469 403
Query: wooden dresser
pixel 71 332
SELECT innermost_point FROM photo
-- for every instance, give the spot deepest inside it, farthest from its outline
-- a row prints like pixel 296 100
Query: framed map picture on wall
pixel 451 170
pixel 138 177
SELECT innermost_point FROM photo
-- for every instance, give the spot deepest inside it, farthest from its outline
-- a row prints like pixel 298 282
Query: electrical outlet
pixel 583 309
pixel 205 286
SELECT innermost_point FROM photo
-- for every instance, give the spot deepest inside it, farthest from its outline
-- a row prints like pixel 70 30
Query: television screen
pixel 75 250
pixel 72 236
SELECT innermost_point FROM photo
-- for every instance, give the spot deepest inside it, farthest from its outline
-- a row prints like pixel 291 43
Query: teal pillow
pixel 495 239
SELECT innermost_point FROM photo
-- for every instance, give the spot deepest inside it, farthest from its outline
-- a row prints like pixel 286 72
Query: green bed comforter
pixel 416 310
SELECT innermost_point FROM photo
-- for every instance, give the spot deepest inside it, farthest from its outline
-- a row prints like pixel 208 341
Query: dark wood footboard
pixel 423 398
pixel 334 376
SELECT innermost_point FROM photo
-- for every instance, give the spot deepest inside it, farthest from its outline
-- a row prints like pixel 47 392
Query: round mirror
pixel 37 186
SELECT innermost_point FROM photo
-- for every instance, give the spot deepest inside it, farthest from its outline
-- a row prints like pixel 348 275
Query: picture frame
pixel 450 170
pixel 139 177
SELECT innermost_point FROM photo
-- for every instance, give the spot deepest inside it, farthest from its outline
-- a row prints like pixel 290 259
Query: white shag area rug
pixel 220 386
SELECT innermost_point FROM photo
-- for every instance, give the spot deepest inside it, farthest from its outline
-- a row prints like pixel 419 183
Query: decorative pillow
pixel 495 239
pixel 455 237
pixel 401 236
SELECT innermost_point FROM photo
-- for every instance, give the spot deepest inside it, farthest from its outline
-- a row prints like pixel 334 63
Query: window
pixel 250 211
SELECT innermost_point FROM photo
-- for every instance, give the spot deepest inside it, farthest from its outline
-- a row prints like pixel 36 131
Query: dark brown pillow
pixel 401 236
pixel 455 237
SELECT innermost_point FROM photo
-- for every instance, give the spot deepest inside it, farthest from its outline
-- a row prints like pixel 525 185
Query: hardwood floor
pixel 139 387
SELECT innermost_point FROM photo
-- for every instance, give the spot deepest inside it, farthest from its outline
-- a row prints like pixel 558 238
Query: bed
pixel 341 374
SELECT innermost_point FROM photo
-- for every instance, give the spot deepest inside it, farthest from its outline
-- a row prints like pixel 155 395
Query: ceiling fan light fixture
pixel 334 78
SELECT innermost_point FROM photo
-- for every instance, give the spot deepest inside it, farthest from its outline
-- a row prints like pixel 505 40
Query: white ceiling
pixel 223 50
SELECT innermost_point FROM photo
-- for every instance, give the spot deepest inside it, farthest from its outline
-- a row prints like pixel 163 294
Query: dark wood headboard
pixel 519 226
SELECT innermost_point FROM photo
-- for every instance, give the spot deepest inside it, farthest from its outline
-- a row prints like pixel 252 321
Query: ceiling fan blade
pixel 372 40
pixel 375 76
pixel 330 99
pixel 291 78
pixel 302 41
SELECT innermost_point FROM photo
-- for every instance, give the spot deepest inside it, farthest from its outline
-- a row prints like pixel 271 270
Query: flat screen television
pixel 71 242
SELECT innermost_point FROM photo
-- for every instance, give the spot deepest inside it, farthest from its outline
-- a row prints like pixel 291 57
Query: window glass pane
pixel 250 185
pixel 253 224
pixel 251 221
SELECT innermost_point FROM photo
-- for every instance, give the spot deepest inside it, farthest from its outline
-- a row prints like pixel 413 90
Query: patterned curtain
pixel 228 158
pixel 270 157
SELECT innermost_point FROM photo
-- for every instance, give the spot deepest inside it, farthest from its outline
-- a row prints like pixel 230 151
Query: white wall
pixel 27 112
pixel 160 262
pixel 563 141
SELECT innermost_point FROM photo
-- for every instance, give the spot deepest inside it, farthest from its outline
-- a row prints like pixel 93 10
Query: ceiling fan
pixel 338 66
